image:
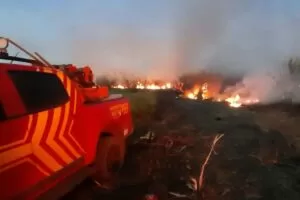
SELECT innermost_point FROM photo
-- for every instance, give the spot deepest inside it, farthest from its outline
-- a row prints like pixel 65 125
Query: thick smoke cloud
pixel 238 36
pixel 241 38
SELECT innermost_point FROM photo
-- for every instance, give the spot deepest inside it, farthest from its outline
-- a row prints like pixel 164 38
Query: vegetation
pixel 294 66
pixel 142 103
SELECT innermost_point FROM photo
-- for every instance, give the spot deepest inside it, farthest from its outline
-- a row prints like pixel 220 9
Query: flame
pixel 153 86
pixel 233 98
pixel 192 93
pixel 119 86
pixel 150 86
pixel 204 89
pixel 234 101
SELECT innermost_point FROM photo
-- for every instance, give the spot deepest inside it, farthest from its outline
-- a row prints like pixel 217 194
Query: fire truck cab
pixel 54 130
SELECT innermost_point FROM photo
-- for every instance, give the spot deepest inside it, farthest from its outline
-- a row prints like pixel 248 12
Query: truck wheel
pixel 109 159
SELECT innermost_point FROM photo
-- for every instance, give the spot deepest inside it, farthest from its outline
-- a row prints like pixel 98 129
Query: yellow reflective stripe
pixel 75 101
pixel 66 115
pixel 38 151
pixel 47 70
pixel 14 154
pixel 64 125
pixel 50 139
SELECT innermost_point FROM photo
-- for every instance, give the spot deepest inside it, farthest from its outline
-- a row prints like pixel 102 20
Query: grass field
pixel 251 161
pixel 283 122
pixel 143 103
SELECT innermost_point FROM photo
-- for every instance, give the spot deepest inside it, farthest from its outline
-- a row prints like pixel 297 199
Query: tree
pixel 294 66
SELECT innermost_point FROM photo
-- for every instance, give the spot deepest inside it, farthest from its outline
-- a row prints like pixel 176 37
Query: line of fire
pixel 209 88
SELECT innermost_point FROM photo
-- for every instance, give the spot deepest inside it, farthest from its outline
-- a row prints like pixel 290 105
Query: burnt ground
pixel 250 161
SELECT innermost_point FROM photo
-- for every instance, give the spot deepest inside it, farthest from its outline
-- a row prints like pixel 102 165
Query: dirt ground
pixel 282 117
pixel 255 159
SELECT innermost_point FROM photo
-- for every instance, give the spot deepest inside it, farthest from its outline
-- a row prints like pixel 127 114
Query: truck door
pixel 35 139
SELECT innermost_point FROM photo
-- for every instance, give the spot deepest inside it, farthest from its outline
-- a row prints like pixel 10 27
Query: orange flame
pixel 234 101
pixel 204 89
pixel 150 86
pixel 154 86
pixel 119 86
pixel 192 93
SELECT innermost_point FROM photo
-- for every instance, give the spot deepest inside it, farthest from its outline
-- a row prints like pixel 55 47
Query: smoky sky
pixel 239 36
pixel 162 38
pixel 228 36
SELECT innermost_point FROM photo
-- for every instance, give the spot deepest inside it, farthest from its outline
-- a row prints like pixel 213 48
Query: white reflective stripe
pixel 113 96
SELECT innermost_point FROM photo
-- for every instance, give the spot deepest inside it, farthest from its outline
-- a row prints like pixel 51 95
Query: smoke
pixel 157 39
pixel 134 39
pixel 228 36
pixel 125 52
pixel 236 38
pixel 163 39
pixel 199 31
pixel 278 86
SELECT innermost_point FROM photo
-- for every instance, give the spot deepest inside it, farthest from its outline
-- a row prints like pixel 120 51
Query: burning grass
pixel 206 88
pixel 257 145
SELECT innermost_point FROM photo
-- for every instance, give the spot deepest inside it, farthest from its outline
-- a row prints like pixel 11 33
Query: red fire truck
pixel 56 128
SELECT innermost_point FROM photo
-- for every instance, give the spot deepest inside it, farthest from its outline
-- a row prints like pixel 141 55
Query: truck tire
pixel 109 159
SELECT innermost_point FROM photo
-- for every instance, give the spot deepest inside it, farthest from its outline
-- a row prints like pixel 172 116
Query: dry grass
pixel 142 102
pixel 281 121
